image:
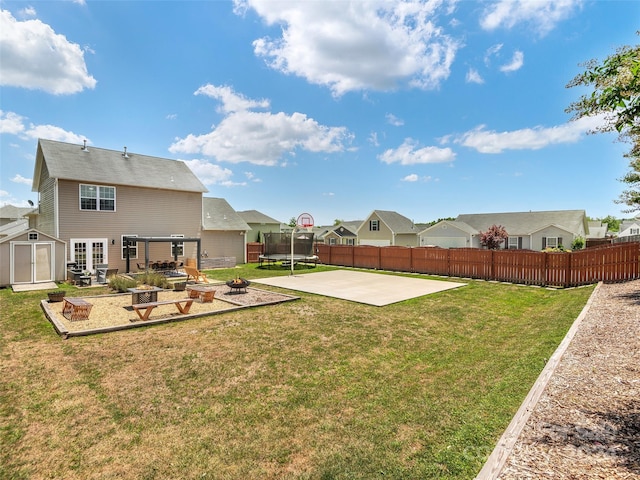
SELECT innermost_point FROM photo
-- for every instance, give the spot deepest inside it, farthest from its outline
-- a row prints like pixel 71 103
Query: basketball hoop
pixel 305 220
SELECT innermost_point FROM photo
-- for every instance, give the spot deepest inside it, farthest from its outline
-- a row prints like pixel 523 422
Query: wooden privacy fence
pixel 613 263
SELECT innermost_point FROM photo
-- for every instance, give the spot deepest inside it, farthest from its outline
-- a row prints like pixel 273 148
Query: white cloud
pixel 11 122
pixel 541 15
pixel 34 56
pixel 516 63
pixel 359 45
pixel 231 101
pixel 412 177
pixel 492 52
pixel 210 173
pixel 51 132
pixel 20 179
pixel 27 12
pixel 408 154
pixel 261 138
pixel 373 139
pixel 485 141
pixel 393 120
pixel 474 77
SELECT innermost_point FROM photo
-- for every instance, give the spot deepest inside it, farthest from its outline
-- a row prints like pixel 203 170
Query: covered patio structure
pixel 129 241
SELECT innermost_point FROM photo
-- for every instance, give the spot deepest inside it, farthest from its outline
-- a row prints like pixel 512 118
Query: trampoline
pixel 277 248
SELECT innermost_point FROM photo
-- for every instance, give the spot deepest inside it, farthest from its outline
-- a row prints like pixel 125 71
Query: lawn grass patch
pixel 312 389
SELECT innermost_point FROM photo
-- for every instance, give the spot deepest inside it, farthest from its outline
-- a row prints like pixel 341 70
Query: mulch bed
pixel 586 424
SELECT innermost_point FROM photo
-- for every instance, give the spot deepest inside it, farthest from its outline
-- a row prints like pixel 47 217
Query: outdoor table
pixel 144 295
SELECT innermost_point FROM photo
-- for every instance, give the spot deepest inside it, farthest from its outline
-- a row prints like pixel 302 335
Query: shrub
pixel 120 283
pixel 577 244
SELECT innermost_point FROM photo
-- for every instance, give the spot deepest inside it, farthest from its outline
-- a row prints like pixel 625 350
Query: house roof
pixel 397 223
pixel 254 216
pixel 218 215
pixel 14 227
pixel 12 212
pixel 68 161
pixel 525 223
pixel 347 229
pixel 452 223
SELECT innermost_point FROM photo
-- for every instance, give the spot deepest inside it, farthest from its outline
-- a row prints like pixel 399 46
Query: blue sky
pixel 334 108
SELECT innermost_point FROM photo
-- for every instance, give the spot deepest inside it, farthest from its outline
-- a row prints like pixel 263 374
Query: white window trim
pixel 123 257
pixel 555 241
pixel 513 242
pixel 374 225
pixel 97 187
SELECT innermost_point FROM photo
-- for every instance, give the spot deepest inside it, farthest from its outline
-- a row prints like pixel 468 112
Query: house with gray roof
pixel 13 219
pixel 527 230
pixel 259 223
pixel 386 228
pixel 90 198
pixel 223 230
pixel 342 234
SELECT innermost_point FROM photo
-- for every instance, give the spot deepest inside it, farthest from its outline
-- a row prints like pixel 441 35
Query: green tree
pixel 615 96
pixel 337 221
pixel 293 221
pixel 613 223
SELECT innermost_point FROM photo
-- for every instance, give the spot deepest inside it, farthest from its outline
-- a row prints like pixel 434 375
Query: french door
pixel 88 252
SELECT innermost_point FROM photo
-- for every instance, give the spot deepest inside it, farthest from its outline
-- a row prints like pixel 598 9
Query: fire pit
pixel 238 284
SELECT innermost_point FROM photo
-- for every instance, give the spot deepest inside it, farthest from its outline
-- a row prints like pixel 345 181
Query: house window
pixel 133 247
pixel 634 231
pixel 33 236
pixel 350 241
pixel 374 225
pixel 177 249
pixel 332 241
pixel 95 197
pixel 514 243
pixel 552 242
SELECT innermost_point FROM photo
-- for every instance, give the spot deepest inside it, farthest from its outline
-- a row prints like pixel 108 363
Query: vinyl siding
pixel 224 244
pixel 141 211
pixel 46 220
pixel 368 237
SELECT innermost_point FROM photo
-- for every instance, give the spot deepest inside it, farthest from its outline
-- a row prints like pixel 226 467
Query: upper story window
pixel 374 225
pixel 133 247
pixel 97 197
pixel 634 231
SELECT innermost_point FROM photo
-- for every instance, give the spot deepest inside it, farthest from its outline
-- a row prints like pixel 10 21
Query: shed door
pixel 32 262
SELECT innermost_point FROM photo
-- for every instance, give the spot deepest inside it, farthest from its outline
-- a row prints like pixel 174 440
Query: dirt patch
pixel 114 312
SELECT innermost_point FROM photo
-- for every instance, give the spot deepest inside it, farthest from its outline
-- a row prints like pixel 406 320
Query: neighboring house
pixel 527 230
pixel 447 234
pixel 597 230
pixel 10 214
pixel 91 197
pixel 384 228
pixel 629 228
pixel 223 230
pixel 342 234
pixel 259 223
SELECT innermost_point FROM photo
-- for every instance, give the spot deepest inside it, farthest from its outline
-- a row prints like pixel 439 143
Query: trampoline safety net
pixel 280 244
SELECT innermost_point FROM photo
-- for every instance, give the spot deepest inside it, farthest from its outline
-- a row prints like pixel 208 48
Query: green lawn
pixel 317 388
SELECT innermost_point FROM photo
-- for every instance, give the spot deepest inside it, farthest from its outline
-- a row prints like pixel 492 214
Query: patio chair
pixel 193 272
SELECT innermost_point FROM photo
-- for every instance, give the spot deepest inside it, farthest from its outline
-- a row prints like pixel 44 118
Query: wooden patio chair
pixel 197 275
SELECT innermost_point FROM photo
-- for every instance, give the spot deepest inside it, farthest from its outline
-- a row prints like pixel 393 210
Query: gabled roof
pixel 525 223
pixel 463 227
pixel 68 161
pixel 12 212
pixel 397 223
pixel 254 216
pixel 347 229
pixel 218 215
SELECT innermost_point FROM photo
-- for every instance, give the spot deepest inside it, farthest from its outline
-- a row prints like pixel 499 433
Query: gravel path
pixel 586 424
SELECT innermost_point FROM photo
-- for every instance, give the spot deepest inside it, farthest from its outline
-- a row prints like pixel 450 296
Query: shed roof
pixel 70 161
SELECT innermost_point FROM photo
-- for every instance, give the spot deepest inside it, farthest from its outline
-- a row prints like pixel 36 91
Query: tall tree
pixel 616 96
pixel 493 237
